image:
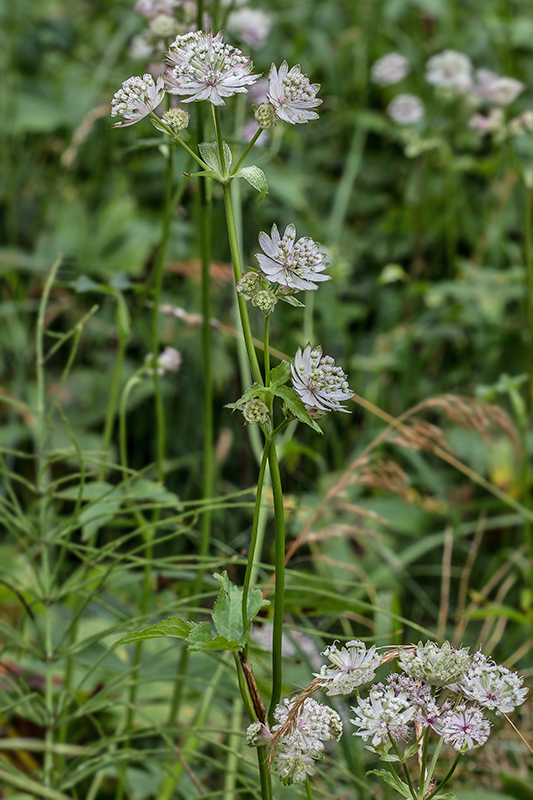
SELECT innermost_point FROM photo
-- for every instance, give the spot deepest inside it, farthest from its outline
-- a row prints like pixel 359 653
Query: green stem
pixel 253 542
pixel 249 146
pixel 279 592
pixel 529 270
pixel 237 270
pixel 404 767
pixel 424 761
pixel 432 766
pixel 267 350
pixel 220 143
pixel 446 777
pixel 308 789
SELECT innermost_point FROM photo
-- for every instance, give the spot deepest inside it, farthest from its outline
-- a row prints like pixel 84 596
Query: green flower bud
pixel 176 118
pixel 249 284
pixel 256 411
pixel 265 300
pixel 438 666
pixel 265 115
pixel 164 27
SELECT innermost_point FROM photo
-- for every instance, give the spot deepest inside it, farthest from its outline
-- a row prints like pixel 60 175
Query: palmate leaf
pixel 256 178
pixel 174 627
pixel 201 638
pixel 227 612
pixel 209 153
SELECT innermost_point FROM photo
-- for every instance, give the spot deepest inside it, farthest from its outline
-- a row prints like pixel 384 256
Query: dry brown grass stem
pixel 513 726
pixel 421 435
pixel 444 604
pixel 461 621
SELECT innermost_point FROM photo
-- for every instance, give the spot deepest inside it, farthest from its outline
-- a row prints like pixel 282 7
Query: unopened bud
pixel 265 300
pixel 249 284
pixel 256 411
pixel 164 27
pixel 176 118
pixel 265 115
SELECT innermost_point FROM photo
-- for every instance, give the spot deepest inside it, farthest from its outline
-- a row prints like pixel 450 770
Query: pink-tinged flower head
pixel 251 25
pixel 389 69
pixel 137 98
pixel 293 264
pixel 292 95
pixel 353 665
pixel 464 727
pixel 203 67
pixel 320 384
pixel 152 8
pixel 406 109
pixel 500 90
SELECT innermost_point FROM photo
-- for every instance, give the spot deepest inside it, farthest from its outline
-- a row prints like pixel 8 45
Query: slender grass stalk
pixel 446 778
pixel 42 482
pixel 308 789
pixel 113 400
pixel 247 149
pixel 528 244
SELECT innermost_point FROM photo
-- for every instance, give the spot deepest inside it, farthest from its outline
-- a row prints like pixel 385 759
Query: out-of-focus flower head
pixel 450 70
pixel 292 94
pixel 137 98
pixel 290 263
pixel 389 69
pixel 320 384
pixel 152 8
pixel 500 90
pixel 492 123
pixel 203 67
pixel 406 109
pixel 353 666
pixel 251 25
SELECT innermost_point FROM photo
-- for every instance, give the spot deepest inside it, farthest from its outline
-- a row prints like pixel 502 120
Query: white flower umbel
pixel 292 95
pixel 293 264
pixel 406 109
pixel 353 666
pixel 464 727
pixel 391 68
pixel 450 70
pixel 438 666
pixel 251 25
pixel 384 712
pixel 203 67
pixel 494 122
pixel 493 686
pixel 320 384
pixel 137 99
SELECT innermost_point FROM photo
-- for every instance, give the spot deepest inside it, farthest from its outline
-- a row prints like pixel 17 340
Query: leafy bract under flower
pixel 291 263
pixel 320 384
pixel 353 666
pixel 137 98
pixel 203 67
pixel 291 94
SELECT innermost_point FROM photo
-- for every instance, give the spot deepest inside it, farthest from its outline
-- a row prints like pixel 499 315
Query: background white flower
pixel 450 70
pixel 406 109
pixel 390 69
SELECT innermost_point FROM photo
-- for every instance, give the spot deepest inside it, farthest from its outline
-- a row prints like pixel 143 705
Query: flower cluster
pixel 137 98
pixel 450 70
pixel 406 109
pixel 292 95
pixel 251 25
pixel 320 384
pixel 203 67
pixel 300 733
pixel 294 264
pixel 412 696
pixel 353 665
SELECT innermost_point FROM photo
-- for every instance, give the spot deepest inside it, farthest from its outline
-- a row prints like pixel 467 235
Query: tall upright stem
pixel 279 591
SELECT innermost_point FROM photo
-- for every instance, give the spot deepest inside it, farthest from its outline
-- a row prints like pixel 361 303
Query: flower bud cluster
pixel 253 286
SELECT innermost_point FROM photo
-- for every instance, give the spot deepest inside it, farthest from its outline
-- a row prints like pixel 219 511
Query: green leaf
pixel 445 796
pixel 209 153
pixel 227 611
pixel 96 515
pixel 175 627
pixel 296 406
pixel 393 780
pixel 207 173
pixel 91 491
pixel 255 390
pixel 390 757
pixel 411 750
pixel 291 300
pixel 143 489
pixel 256 178
pixel 280 374
pixel 201 638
